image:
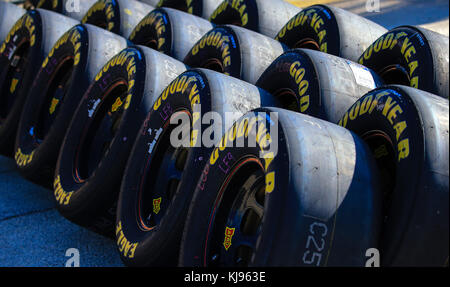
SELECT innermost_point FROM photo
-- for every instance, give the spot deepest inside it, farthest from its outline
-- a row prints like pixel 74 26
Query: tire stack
pixel 232 133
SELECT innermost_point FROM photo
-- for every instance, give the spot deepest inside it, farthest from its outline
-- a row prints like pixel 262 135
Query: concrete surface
pixel 32 233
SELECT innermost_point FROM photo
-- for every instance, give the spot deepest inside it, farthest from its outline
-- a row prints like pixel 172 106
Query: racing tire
pixel 330 30
pixel 265 17
pixel 411 56
pixel 30 4
pixel 101 134
pixel 52 5
pixel 9 14
pixel 407 131
pixel 65 75
pixel 21 55
pixel 76 10
pixel 235 51
pixel 170 31
pixel 153 3
pixel 161 175
pixel 306 195
pixel 202 8
pixel 318 84
pixel 117 16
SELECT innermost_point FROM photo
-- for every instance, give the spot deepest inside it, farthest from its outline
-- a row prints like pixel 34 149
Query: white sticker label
pixel 362 75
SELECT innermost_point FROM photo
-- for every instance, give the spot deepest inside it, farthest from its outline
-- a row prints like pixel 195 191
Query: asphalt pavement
pixel 32 233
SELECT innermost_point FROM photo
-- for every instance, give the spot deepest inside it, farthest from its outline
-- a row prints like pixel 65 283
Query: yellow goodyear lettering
pixel 120 60
pixel 29 25
pixel 263 139
pixel 98 6
pixel 298 74
pixel 316 22
pixel 215 39
pixel 407 50
pixel 127 101
pixel 219 10
pixel 150 19
pixel 390 109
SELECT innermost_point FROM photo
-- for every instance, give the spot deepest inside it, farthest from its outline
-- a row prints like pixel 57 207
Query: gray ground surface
pixel 32 233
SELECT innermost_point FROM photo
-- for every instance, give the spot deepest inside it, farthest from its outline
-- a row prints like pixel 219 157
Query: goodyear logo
pixel 388 106
pixel 309 17
pixel 73 36
pixel 237 5
pixel 154 18
pixel 407 50
pixel 217 40
pixel 243 128
pixel 180 85
pixel 229 233
pixel 298 74
pixel 105 6
pixel 28 23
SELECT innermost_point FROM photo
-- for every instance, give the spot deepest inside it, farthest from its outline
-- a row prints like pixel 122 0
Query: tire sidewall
pixel 84 201
pixel 156 246
pixel 72 44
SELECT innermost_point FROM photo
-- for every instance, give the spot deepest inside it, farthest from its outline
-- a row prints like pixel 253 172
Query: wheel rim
pixel 395 74
pixel 384 153
pixel 160 180
pixel 308 43
pixel 288 99
pixel 237 224
pixel 214 64
pixel 57 89
pixel 97 139
pixel 14 75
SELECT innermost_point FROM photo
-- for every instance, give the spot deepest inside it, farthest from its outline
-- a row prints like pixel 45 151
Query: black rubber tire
pixel 318 84
pixel 156 242
pixel 330 30
pixel 100 137
pixel 52 5
pixel 9 14
pixel 64 77
pixel 411 56
pixel 201 8
pixel 153 3
pixel 76 11
pixel 407 130
pixel 313 201
pixel 170 31
pixel 117 16
pixel 30 4
pixel 21 54
pixel 235 51
pixel 192 7
pixel 265 17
